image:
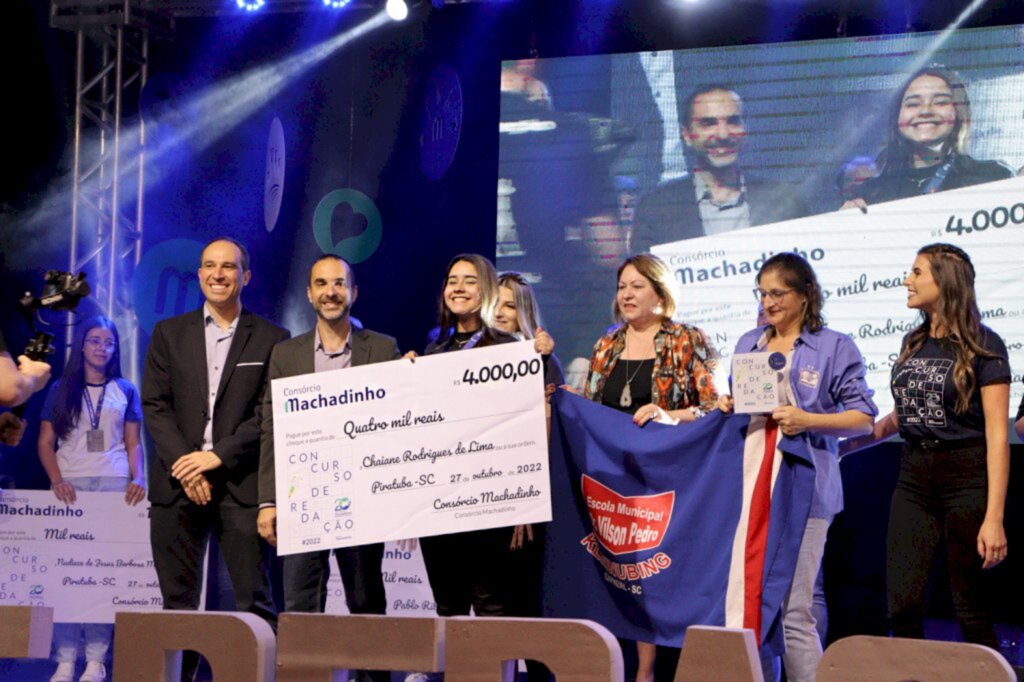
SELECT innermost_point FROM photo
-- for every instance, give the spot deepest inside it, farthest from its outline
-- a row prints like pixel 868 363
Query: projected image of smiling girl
pixel 928 135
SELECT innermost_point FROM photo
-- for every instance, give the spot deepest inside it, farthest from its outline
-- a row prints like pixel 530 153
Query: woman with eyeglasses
pixel 654 369
pixel 89 441
pixel 826 396
pixel 951 386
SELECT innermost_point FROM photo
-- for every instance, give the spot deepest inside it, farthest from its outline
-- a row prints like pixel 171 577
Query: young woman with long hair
pixel 472 569
pixel 929 128
pixel 951 386
pixel 518 313
pixel 89 441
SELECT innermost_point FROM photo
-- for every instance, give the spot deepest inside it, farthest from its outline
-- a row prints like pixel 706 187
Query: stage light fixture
pixel 336 4
pixel 397 9
pixel 250 5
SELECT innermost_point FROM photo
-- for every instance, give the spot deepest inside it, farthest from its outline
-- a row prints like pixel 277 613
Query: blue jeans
pixel 803 642
pixel 97 635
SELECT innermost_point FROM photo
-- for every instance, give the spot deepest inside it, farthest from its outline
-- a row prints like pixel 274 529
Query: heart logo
pixel 353 209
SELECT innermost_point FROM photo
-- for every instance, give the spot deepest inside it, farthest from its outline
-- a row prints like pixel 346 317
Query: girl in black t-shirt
pixel 951 389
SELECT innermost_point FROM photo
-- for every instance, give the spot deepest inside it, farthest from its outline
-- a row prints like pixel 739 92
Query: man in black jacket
pixel 201 389
pixel 718 196
pixel 334 343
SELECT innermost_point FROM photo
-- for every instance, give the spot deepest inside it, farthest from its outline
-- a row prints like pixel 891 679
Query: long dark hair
pixel 896 156
pixel 487 281
pixel 798 275
pixel 67 405
pixel 957 310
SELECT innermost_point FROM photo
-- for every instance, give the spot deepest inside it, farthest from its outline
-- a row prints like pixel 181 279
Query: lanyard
pixel 472 341
pixel 94 413
pixel 939 178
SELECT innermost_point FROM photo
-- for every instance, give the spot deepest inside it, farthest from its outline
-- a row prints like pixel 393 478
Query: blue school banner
pixel 654 529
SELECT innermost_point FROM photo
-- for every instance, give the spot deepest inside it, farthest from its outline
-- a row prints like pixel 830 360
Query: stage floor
pixel 1011 641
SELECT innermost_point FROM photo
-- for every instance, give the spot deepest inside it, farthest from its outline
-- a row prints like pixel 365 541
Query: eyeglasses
pixel 775 295
pixel 100 343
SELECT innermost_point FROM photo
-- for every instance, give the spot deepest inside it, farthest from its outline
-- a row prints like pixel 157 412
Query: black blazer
pixel 175 403
pixel 670 212
pixel 294 357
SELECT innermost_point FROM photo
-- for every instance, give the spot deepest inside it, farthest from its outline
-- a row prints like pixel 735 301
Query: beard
pixel 333 315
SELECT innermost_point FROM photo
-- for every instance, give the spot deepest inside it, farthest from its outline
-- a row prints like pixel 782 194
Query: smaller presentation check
pixel 448 443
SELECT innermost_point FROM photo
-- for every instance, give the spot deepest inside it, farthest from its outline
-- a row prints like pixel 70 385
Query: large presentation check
pixel 861 260
pixel 86 560
pixel 450 442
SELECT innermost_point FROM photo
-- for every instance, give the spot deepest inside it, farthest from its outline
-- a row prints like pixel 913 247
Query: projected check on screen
pixel 608 155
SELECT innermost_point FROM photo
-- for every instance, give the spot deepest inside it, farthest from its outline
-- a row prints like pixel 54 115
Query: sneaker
pixel 65 672
pixel 94 672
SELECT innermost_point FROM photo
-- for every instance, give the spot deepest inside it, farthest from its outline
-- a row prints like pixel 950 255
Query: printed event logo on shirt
pixel 623 523
pixel 917 388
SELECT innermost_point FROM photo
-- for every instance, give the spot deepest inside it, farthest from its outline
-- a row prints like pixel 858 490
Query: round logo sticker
pixel 776 361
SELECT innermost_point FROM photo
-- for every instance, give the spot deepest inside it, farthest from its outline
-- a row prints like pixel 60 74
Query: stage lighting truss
pixel 108 169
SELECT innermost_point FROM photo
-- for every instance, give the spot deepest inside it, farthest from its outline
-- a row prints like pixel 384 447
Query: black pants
pixel 479 570
pixel 525 568
pixel 469 570
pixel 179 533
pixel 940 496
pixel 305 586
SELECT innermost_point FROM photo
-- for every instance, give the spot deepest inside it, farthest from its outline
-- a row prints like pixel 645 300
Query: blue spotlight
pixel 336 4
pixel 250 5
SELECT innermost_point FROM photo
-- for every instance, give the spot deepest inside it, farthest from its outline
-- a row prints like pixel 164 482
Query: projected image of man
pixel 718 196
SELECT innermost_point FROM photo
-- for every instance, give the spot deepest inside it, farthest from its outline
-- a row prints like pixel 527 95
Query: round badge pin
pixel 776 361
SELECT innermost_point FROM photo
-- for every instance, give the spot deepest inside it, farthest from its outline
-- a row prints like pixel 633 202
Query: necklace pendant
pixel 626 398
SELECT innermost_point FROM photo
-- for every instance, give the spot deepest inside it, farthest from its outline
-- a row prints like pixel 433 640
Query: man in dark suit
pixel 334 343
pixel 201 391
pixel 717 196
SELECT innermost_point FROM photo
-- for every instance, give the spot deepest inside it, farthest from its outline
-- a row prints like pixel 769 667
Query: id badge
pixel 94 441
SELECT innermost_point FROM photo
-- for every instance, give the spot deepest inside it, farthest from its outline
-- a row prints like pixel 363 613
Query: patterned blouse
pixel 684 364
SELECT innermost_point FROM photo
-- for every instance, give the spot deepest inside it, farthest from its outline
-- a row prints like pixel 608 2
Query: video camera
pixel 62 291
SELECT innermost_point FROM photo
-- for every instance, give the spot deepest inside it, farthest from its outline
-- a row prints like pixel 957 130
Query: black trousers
pixel 469 570
pixel 479 570
pixel 524 568
pixel 179 533
pixel 305 585
pixel 940 498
